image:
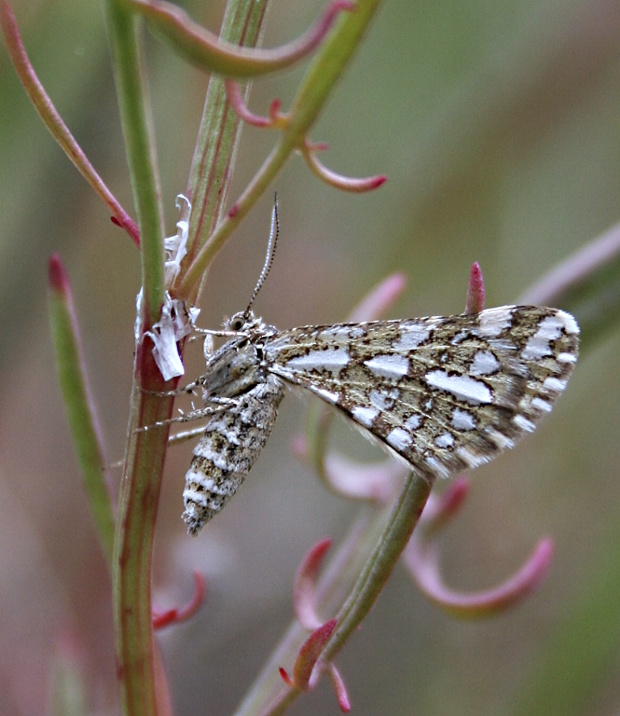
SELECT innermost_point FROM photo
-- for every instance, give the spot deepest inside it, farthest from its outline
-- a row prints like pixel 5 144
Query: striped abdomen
pixel 231 443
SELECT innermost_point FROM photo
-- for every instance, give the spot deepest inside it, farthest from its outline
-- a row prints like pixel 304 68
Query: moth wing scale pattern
pixel 444 393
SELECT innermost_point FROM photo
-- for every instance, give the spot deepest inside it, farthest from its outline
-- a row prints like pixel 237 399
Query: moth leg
pixel 185 435
pixel 185 390
pixel 183 418
pixel 220 405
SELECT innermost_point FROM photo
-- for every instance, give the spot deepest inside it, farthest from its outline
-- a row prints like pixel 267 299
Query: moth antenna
pixel 271 252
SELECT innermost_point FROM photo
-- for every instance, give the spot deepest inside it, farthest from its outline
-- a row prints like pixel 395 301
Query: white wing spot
pixel 445 440
pixel 204 449
pixel 541 404
pixel 399 439
pixel 332 359
pixel 469 458
pixel 327 395
pixel 502 441
pixel 412 336
pixel 208 484
pixel 328 334
pixel 494 321
pixel 413 422
pixel 462 387
pixel 566 358
pixel 392 367
pixel 364 416
pixel 555 384
pixel 197 498
pixel 484 363
pixel 570 324
pixel 523 423
pixel 463 420
pixel 356 332
pixel 538 346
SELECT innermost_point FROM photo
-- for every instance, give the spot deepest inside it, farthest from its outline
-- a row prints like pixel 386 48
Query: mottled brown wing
pixel 444 393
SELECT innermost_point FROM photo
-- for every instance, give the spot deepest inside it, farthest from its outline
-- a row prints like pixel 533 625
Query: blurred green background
pixel 497 124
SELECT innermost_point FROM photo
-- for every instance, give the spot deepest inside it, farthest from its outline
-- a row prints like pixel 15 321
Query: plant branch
pixel 80 405
pixel 217 143
pixel 315 88
pixel 137 658
pixel 349 563
pixel 53 121
pixel 391 543
pixel 131 86
pixel 209 52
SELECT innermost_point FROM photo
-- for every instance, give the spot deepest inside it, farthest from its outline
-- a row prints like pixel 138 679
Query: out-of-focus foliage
pixel 496 123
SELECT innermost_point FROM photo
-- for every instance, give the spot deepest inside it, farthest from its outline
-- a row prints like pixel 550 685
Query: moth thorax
pixel 235 371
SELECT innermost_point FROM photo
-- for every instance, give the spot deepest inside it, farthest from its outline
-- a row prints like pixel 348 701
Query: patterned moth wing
pixel 443 393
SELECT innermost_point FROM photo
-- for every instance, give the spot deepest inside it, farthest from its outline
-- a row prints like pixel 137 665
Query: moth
pixel 441 393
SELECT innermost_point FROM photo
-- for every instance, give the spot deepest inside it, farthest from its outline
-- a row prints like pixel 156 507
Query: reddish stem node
pixel 57 276
pixel 474 302
pixel 178 615
pixel 286 678
pixel 342 697
pixel 305 585
pixel 339 181
pixel 240 108
pixel 303 671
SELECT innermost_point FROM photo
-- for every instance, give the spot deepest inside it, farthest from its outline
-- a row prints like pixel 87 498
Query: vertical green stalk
pixel 140 486
pixel 319 81
pixel 140 673
pixel 136 119
pixel 219 134
pixel 80 405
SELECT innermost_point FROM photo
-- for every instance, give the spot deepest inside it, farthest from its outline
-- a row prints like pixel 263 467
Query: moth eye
pixel 237 322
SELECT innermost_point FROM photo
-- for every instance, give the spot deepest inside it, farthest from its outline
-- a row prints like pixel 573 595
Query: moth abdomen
pixel 229 447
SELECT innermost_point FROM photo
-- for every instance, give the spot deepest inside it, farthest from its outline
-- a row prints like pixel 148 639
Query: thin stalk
pixel 316 86
pixel 140 486
pixel 131 85
pixel 80 405
pixel 218 140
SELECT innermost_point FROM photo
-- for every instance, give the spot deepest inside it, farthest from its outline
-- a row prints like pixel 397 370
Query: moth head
pixel 237 321
pixel 242 322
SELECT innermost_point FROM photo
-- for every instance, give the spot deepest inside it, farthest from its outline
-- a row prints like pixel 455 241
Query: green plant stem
pixel 218 139
pixel 371 535
pixel 53 121
pixel 317 84
pixel 138 132
pixel 140 486
pixel 141 675
pixel 140 489
pixel 80 406
pixel 403 519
